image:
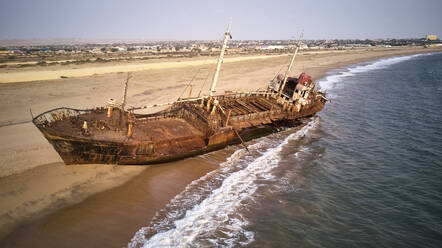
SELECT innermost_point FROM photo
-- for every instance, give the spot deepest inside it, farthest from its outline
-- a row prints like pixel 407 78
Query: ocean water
pixel 364 172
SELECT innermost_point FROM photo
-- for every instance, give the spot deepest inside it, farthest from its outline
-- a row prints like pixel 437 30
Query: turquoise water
pixel 365 172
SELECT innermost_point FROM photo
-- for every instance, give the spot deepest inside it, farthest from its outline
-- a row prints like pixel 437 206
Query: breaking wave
pixel 329 82
pixel 209 210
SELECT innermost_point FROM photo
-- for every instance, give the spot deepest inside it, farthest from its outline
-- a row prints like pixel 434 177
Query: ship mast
pixel 290 66
pixel 123 102
pixel 220 60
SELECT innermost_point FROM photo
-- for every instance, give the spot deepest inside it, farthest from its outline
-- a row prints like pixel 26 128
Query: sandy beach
pixel 32 75
pixel 44 203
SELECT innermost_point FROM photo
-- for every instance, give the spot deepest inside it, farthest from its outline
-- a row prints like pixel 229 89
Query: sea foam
pixel 329 82
pixel 190 221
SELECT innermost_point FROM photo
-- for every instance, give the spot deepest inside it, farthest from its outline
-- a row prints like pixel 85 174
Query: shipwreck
pixel 190 126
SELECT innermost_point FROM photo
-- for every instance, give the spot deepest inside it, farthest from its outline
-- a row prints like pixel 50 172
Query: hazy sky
pixel 205 19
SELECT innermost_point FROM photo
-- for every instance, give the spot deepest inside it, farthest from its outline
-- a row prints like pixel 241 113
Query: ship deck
pixel 164 129
pixel 70 124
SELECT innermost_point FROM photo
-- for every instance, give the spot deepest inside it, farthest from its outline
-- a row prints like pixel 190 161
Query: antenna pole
pixel 220 59
pixel 290 66
pixel 125 91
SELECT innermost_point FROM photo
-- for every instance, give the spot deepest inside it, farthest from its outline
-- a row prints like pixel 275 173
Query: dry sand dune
pixel 33 181
pixel 27 76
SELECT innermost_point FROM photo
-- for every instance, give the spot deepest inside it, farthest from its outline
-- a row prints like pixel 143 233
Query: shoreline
pixel 20 75
pixel 117 185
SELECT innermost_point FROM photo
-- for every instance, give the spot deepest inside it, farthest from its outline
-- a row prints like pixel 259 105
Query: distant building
pixel 10 51
pixel 96 50
pixel 119 49
pixel 315 47
pixel 273 47
pixel 204 48
pixel 431 37
pixel 303 46
pixel 168 49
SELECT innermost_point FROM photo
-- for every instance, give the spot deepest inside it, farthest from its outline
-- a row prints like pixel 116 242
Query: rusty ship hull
pixel 187 128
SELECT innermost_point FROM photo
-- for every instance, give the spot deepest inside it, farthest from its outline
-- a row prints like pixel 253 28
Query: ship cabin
pixel 294 89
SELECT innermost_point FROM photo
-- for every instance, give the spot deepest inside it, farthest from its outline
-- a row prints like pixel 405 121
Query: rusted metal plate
pixel 184 129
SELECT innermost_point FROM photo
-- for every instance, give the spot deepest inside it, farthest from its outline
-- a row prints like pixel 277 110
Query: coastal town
pixel 24 53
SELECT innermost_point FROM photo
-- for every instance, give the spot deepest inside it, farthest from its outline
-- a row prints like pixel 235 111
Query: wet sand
pixel 110 219
pixel 36 188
